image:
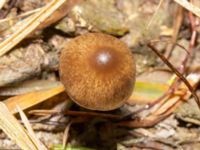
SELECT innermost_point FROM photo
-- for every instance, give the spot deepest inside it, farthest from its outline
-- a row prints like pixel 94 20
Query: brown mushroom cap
pixel 98 71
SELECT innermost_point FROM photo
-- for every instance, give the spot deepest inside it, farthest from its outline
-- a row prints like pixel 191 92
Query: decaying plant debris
pixel 32 34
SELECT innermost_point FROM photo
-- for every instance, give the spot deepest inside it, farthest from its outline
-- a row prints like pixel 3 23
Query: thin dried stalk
pixel 29 25
pixel 31 133
pixel 154 15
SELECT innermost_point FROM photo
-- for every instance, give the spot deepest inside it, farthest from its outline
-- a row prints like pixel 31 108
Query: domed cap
pixel 98 71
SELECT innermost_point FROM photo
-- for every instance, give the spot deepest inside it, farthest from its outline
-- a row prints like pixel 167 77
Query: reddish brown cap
pixel 98 71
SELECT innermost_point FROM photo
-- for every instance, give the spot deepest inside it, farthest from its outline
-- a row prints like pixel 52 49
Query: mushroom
pixel 97 71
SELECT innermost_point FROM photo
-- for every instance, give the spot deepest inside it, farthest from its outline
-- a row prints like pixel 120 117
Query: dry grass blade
pixel 30 99
pixel 31 133
pixel 154 15
pixel 29 25
pixel 184 3
pixel 20 16
pixel 66 135
pixel 10 125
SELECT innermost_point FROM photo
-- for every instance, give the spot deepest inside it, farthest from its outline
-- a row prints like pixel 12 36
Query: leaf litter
pixel 30 46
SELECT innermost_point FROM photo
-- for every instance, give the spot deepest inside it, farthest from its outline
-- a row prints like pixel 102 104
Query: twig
pixel 75 113
pixel 176 72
